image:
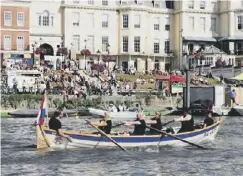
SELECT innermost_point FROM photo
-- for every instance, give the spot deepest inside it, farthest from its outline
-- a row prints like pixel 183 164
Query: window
pixel 136 44
pixel 167 23
pixel 202 24
pixel 156 46
pixel 105 41
pixel 90 20
pixel 167 27
pixel 91 2
pixel 90 43
pixel 240 22
pixel 125 21
pixel 214 6
pixel 39 19
pixel 125 43
pixel 20 18
pixel 7 42
pixel 105 21
pixel 191 23
pixel 137 21
pixel 213 24
pixel 76 1
pixel 76 42
pixel 104 2
pixel 20 43
pixel 191 4
pixel 45 21
pixel 156 23
pixel 202 4
pixel 156 5
pixel 52 21
pixel 75 18
pixel 167 46
pixel 7 19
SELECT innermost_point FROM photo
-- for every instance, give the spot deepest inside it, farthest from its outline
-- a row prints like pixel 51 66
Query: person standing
pixel 232 95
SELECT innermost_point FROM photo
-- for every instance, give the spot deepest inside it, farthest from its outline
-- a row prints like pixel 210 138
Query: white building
pixel 140 33
pixel 204 23
pixel 46 26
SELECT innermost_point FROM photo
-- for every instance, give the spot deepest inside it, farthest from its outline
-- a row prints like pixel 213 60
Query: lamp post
pixel 180 49
pixel 108 52
pixel 98 52
pixel 33 47
pixel 85 41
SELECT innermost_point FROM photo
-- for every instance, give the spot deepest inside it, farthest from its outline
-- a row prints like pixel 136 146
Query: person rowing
pixel 156 123
pixel 187 122
pixel 208 121
pixel 106 124
pixel 56 125
pixel 139 125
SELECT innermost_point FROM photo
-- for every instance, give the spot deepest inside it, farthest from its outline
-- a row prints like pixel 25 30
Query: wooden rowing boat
pixel 87 139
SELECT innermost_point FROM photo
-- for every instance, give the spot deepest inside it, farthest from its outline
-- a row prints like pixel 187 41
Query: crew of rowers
pixel 187 123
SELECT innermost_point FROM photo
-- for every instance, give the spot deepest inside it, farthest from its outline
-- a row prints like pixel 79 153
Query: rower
pixel 56 125
pixel 106 124
pixel 156 123
pixel 140 125
pixel 208 121
pixel 187 122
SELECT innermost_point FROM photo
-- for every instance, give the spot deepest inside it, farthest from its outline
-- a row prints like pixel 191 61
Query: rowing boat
pixel 88 139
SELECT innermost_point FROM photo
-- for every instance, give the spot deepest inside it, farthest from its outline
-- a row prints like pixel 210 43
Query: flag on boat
pixel 42 112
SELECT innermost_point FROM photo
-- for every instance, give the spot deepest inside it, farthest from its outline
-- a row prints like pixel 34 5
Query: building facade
pixel 201 24
pixel 138 33
pixel 46 28
pixel 15 30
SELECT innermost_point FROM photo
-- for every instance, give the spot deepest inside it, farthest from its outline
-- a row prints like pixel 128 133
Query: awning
pixel 177 78
pixel 207 39
pixel 231 38
pixel 239 77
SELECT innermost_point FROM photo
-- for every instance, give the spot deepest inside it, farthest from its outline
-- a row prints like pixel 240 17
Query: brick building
pixel 14 29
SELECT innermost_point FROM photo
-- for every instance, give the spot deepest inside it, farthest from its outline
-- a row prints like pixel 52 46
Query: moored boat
pixel 88 139
pixel 129 114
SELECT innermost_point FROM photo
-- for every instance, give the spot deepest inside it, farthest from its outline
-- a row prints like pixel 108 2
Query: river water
pixel 20 157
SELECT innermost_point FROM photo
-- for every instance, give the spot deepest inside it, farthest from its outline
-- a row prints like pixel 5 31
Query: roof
pixel 207 39
pixel 232 38
pixel 213 49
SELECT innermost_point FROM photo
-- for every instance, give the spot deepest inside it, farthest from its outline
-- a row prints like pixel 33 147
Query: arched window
pixel 46 18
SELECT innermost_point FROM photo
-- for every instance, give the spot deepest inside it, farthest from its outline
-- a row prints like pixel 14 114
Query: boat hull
pixel 92 140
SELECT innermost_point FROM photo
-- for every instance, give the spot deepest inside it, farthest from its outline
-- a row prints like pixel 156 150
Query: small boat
pixel 130 114
pixel 236 110
pixel 34 112
pixel 88 139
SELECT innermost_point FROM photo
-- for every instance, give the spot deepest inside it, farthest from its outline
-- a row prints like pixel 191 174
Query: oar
pixel 119 124
pixel 102 133
pixel 176 138
pixel 167 123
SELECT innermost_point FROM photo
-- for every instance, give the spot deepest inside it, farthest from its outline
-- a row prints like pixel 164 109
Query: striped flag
pixel 42 112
